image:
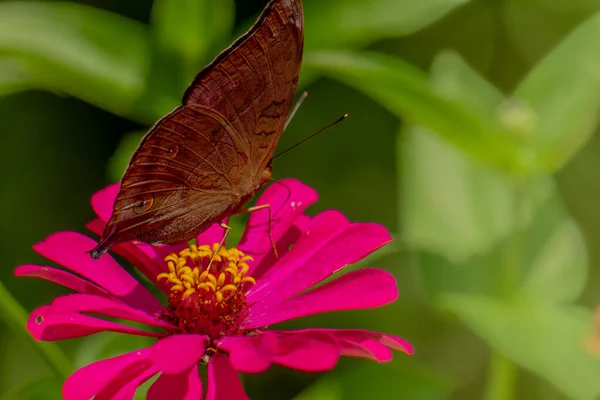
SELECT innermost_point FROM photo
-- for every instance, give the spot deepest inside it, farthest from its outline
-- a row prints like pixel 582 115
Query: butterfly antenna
pixel 311 136
pixel 295 109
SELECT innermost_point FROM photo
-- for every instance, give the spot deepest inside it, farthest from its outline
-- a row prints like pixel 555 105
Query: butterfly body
pixel 209 156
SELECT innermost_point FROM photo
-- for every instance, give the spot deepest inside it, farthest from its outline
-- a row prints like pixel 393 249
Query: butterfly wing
pixel 202 161
pixel 253 82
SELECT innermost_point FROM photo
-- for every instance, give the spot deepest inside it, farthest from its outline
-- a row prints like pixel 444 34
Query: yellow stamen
pixel 187 273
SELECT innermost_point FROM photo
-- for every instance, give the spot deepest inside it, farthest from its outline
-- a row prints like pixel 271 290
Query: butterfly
pixel 203 161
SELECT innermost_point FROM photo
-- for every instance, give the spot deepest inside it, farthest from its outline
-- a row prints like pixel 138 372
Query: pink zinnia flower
pixel 219 316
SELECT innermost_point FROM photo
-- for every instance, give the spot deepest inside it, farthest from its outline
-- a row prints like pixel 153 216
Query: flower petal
pixel 46 323
pixel 259 267
pixel 287 199
pixel 312 351
pixel 251 354
pixel 323 227
pixel 214 234
pixel 372 350
pixel 184 386
pixel 70 249
pixel 178 353
pixel 147 259
pixel 372 341
pixel 88 381
pixel 103 201
pixel 96 226
pixel 298 273
pixel 223 381
pixel 102 305
pixel 60 277
pixel 125 386
pixel 365 288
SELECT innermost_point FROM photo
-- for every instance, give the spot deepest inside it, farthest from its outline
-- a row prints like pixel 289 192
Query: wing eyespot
pixel 143 203
pixel 172 150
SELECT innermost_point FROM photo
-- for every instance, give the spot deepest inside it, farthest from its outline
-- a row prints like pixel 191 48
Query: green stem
pixel 502 376
pixel 502 372
pixel 513 252
pixel 15 317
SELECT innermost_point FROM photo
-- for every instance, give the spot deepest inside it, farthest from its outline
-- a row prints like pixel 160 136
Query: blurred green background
pixel 471 137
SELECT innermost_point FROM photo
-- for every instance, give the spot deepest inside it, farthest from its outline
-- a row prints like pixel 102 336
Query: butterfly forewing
pixel 254 89
pixel 205 159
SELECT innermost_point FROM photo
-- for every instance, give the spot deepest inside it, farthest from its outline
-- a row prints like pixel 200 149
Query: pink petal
pixel 46 323
pixel 214 234
pixel 288 198
pixel 60 277
pixel 178 353
pixel 365 288
pixel 251 354
pixel 308 351
pixel 223 381
pixel 370 340
pixel 147 259
pixel 125 386
pixel 70 249
pixel 297 273
pixel 88 303
pixel 96 226
pixel 184 386
pixel 283 246
pixel 373 351
pixel 323 227
pixel 88 381
pixel 104 200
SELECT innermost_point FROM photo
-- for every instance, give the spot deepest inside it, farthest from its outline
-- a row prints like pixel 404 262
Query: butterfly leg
pixel 268 207
pixel 227 229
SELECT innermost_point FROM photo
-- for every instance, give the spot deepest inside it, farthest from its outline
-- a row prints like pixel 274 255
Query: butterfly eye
pixel 143 203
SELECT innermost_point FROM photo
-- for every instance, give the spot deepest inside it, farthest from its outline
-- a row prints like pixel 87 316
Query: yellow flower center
pixel 208 287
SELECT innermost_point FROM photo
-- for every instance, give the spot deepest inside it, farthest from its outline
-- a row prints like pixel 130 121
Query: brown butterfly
pixel 208 157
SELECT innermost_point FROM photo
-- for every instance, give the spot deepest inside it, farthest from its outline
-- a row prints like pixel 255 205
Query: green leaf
pixel 17 76
pixel 383 379
pixel 456 80
pixel 42 389
pixel 15 317
pixel 465 211
pixel 559 271
pixel 563 91
pixel 406 92
pixel 91 54
pixel 453 205
pixel 344 23
pixel 545 339
pixel 191 29
pixel 551 267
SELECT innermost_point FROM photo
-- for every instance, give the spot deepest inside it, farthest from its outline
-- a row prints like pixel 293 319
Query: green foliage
pixel 546 339
pixel 406 92
pixel 342 23
pixel 416 384
pixel 480 214
pixel 563 91
pixel 82 51
pixel 191 28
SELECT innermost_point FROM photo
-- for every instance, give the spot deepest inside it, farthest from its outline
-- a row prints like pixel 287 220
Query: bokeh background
pixel 471 137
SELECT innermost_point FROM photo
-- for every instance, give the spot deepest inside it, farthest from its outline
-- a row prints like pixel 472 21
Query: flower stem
pixel 15 317
pixel 502 372
pixel 502 376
